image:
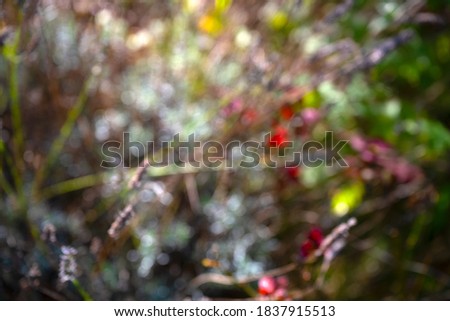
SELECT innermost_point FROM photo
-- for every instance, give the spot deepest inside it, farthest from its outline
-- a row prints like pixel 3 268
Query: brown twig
pixel 230 280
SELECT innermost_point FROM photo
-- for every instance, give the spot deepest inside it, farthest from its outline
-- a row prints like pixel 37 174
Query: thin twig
pixel 230 280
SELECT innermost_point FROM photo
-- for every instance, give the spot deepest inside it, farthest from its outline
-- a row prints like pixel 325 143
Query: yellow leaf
pixel 347 198
pixel 312 99
pixel 210 24
pixel 279 20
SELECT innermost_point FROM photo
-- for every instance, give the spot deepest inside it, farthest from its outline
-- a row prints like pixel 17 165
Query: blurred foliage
pixel 75 75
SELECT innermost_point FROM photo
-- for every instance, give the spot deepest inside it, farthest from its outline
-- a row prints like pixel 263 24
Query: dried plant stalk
pixel 121 221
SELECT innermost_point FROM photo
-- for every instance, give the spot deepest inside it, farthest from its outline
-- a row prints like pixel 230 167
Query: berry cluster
pixel 301 123
pixel 271 288
pixel 312 243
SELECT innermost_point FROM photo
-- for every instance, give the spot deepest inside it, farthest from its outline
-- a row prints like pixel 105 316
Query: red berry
pixel 292 172
pixel 307 248
pixel 266 285
pixel 286 111
pixel 278 137
pixel 315 235
pixel 280 294
pixel 282 282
